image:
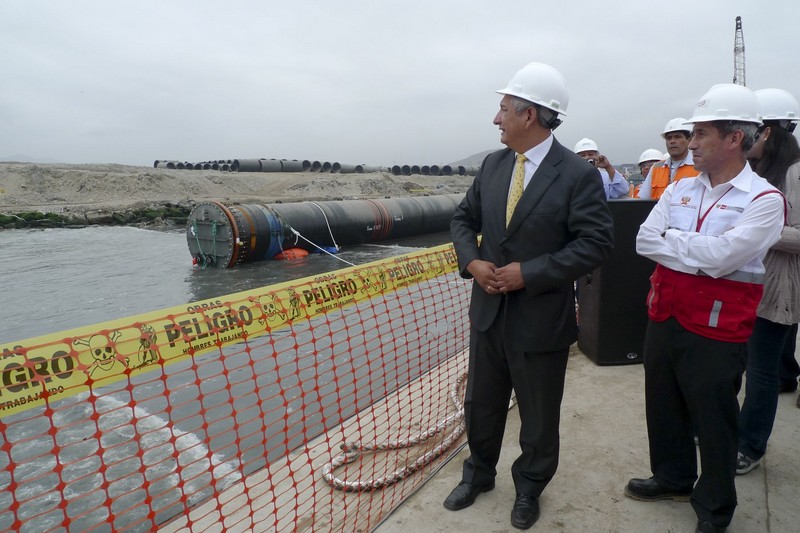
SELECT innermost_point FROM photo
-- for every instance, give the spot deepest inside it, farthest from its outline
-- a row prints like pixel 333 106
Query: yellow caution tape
pixel 59 365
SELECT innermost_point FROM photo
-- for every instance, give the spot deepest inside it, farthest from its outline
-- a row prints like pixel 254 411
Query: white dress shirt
pixel 758 227
pixel 618 188
pixel 535 157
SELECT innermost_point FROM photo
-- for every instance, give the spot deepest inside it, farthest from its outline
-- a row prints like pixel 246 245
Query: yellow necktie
pixel 517 186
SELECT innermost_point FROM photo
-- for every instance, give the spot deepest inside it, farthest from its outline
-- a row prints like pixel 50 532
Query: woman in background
pixel 775 157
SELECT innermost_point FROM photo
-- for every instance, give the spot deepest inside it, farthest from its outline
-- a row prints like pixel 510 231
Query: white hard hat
pixel 727 101
pixel 540 84
pixel 651 154
pixel 777 104
pixel 677 124
pixel 585 145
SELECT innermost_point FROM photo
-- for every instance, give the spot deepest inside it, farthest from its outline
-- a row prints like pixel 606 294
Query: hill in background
pixel 473 160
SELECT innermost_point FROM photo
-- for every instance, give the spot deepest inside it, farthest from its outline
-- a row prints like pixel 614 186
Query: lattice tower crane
pixel 738 54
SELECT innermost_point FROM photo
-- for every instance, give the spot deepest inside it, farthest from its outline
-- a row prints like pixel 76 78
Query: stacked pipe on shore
pixel 224 236
pixel 306 165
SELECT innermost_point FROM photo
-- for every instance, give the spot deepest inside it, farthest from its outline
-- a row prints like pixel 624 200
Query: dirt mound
pixel 75 188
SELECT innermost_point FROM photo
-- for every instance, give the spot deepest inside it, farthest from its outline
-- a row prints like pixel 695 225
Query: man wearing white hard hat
pixel 708 235
pixel 614 183
pixel 544 222
pixel 647 159
pixel 677 134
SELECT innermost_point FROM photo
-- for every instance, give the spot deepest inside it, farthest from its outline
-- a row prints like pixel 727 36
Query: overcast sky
pixel 362 81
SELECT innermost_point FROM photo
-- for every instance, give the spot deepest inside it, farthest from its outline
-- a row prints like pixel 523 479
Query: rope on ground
pixel 351 452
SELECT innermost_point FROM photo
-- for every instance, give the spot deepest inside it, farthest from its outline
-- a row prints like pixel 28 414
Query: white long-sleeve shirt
pixel 614 189
pixel 758 227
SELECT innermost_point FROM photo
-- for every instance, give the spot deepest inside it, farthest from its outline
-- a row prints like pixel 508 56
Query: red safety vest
pixel 717 308
pixel 723 308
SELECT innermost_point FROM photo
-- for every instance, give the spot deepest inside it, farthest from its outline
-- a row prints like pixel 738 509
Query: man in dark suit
pixel 540 231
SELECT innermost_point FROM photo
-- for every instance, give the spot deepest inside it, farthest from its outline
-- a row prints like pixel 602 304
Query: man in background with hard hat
pixel 614 183
pixel 544 222
pixel 648 158
pixel 677 134
pixel 708 236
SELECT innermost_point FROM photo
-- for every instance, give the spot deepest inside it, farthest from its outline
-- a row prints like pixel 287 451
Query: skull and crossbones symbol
pixel 272 308
pixel 103 350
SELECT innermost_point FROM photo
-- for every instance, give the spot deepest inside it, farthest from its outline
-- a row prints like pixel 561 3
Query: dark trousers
pixel 538 381
pixel 789 369
pixel 691 383
pixel 765 348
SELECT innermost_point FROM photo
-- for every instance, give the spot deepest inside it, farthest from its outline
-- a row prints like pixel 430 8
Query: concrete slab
pixel 603 444
pixel 290 495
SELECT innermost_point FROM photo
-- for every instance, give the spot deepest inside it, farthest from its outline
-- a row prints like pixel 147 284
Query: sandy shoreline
pixel 96 191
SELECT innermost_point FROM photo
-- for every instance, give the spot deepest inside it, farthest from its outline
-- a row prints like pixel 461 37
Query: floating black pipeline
pixel 228 235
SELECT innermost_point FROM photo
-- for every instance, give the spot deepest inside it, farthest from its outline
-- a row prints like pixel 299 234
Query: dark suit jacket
pixel 561 229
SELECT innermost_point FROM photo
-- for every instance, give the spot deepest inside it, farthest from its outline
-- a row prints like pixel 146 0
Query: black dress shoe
pixel 707 527
pixel 464 495
pixel 525 512
pixel 648 490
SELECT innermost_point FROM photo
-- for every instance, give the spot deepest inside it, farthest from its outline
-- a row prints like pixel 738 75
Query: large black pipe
pixel 292 165
pixel 343 168
pixel 270 165
pixel 285 165
pixel 246 165
pixel 228 235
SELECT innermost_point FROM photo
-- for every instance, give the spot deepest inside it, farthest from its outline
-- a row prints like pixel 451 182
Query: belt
pixel 741 275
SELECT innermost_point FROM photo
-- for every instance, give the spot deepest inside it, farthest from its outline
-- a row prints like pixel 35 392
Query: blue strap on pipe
pixel 275 233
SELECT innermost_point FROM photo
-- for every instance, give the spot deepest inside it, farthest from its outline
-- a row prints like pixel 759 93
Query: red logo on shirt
pixel 685 200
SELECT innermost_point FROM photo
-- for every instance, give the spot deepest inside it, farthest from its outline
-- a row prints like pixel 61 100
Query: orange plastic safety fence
pixel 220 416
